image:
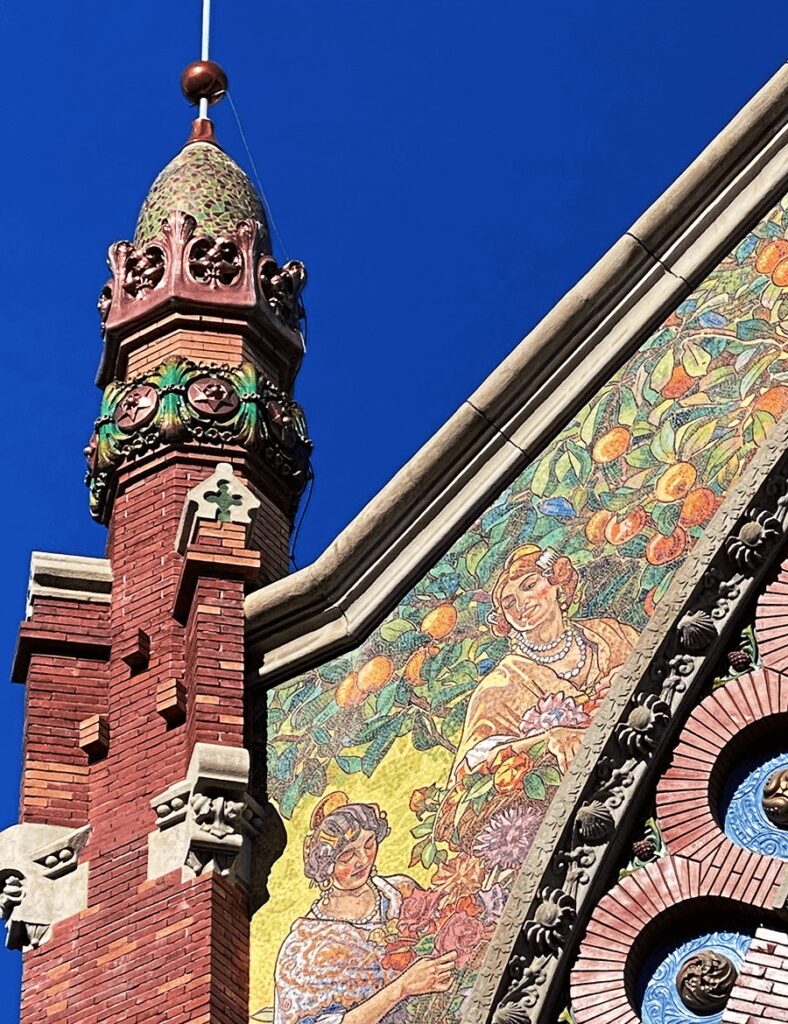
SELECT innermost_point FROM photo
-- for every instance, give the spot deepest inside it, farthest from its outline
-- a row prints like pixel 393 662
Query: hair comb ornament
pixel 547 560
pixel 330 803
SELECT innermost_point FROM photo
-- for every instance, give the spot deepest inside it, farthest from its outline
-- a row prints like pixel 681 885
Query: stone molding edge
pixel 525 965
pixel 41 880
pixel 68 577
pixel 333 604
pixel 207 821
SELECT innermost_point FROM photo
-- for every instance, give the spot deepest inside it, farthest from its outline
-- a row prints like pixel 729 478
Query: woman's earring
pixel 563 604
pixel 326 889
pixel 373 871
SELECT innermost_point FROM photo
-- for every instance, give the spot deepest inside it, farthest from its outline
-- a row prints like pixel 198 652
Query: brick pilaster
pixel 172 948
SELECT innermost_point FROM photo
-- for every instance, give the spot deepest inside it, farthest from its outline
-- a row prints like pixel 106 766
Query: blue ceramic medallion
pixel 661 1002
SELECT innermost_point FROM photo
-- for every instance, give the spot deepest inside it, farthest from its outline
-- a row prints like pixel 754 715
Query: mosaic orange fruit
pixel 611 445
pixel 648 602
pixel 774 252
pixel 621 528
pixel 348 693
pixel 413 667
pixel 699 506
pixel 660 550
pixel 595 527
pixel 680 382
pixel 780 274
pixel 775 401
pixel 439 622
pixel 676 482
pixel 375 674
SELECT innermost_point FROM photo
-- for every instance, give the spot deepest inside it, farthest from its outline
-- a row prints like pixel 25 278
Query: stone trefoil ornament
pixel 222 497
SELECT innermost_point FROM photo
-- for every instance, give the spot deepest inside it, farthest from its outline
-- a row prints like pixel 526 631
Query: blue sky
pixel 446 171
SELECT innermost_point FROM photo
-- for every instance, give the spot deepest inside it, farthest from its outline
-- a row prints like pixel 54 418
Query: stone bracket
pixel 60 856
pixel 207 821
pixel 41 880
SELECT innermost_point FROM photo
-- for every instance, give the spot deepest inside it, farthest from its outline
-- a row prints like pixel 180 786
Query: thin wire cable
pixel 253 165
pixel 304 511
pixel 283 247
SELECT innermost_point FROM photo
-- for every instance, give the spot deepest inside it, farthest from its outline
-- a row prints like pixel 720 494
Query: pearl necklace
pixel 536 651
pixel 549 646
pixel 532 651
pixel 376 914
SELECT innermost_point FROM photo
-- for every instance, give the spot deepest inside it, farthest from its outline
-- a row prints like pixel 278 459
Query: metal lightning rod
pixel 206 45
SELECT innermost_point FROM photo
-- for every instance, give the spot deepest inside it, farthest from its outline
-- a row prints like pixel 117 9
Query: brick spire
pixel 126 882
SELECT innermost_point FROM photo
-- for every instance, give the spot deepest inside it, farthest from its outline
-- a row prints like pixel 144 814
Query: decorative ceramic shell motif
pixel 511 1013
pixel 697 630
pixel 594 822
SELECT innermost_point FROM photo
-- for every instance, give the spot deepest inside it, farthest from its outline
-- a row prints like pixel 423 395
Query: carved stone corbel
pixel 41 880
pixel 207 821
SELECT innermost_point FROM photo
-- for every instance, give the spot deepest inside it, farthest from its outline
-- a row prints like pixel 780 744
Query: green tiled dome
pixel 204 182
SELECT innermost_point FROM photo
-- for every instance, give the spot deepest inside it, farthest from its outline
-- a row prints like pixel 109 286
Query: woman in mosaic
pixel 344 961
pixel 525 719
pixel 557 670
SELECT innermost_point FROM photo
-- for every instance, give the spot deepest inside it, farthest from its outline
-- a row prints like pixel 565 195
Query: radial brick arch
pixel 706 877
pixel 639 914
pixel 771 626
pixel 717 735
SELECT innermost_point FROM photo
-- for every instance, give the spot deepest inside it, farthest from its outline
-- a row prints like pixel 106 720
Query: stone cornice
pixel 333 604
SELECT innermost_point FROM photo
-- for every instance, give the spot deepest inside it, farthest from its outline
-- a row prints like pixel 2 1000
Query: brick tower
pixel 126 881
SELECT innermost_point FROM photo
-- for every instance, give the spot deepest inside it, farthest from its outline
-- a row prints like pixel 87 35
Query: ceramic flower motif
pixel 552 710
pixel 506 838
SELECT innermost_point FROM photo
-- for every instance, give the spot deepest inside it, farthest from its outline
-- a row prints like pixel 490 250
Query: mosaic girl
pixel 333 966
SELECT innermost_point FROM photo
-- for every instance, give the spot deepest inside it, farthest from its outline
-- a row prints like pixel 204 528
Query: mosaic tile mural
pixel 412 775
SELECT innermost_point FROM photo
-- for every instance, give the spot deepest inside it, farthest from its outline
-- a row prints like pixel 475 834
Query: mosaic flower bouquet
pixel 444 918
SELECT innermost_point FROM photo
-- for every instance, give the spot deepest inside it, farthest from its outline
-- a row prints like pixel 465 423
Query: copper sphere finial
pixel 204 80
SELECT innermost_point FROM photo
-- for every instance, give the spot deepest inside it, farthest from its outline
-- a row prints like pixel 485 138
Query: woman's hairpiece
pixel 547 560
pixel 330 803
